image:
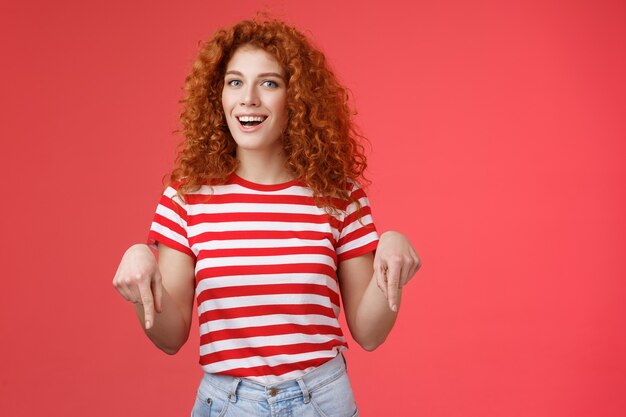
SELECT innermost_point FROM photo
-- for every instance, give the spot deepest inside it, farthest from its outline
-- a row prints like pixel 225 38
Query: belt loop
pixel 232 395
pixel 345 363
pixel 305 391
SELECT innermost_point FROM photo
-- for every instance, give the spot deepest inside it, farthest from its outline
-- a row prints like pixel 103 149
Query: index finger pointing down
pixel 148 303
pixel 393 287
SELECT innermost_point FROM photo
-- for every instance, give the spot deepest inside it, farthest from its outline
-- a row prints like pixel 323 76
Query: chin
pixel 249 144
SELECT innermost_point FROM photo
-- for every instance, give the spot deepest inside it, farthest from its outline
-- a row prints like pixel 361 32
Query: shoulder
pixel 357 193
pixel 184 192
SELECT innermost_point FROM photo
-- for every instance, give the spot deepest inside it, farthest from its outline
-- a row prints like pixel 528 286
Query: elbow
pixel 170 350
pixel 370 348
pixel 371 344
pixel 368 338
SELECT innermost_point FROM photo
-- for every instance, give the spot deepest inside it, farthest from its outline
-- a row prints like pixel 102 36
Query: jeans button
pixel 273 392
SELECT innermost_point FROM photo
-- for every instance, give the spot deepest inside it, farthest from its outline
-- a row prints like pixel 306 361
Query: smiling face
pixel 255 100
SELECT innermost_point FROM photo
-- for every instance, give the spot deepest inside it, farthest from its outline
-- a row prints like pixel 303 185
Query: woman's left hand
pixel 395 263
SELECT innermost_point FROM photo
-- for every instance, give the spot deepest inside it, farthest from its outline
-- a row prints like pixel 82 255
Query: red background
pixel 498 146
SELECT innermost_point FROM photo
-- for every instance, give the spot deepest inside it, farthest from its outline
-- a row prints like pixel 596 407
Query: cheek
pixel 285 117
pixel 227 101
pixel 280 107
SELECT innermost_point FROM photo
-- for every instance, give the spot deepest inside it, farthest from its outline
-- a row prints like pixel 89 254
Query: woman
pixel 265 224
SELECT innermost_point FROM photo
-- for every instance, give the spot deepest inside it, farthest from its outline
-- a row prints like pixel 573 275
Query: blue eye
pixel 234 83
pixel 270 83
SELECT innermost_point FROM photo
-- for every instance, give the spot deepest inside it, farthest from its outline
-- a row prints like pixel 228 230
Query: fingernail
pixel 394 308
pixel 147 324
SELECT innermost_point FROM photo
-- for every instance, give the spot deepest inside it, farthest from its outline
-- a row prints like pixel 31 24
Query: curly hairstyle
pixel 321 142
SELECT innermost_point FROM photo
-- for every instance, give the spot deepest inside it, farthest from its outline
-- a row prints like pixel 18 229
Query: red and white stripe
pixel 266 284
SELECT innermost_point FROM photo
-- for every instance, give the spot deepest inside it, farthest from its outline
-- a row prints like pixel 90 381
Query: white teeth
pixel 251 118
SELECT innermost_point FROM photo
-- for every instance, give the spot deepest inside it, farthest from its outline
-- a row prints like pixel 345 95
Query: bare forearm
pixel 374 318
pixel 169 331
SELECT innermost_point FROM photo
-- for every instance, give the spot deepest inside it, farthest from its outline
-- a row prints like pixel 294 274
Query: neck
pixel 262 167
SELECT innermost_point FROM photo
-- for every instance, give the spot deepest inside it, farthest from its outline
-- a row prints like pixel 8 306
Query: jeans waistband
pixel 235 387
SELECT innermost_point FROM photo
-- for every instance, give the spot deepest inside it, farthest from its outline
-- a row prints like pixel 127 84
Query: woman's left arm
pixel 371 288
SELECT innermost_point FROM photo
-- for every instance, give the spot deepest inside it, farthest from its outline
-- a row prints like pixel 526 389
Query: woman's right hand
pixel 139 281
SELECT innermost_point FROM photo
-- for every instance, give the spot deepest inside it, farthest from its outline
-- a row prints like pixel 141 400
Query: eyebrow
pixel 265 74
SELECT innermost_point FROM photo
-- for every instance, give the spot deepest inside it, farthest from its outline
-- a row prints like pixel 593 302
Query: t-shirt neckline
pixel 236 179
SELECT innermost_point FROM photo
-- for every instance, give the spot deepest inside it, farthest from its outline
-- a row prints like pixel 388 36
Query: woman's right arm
pixel 166 287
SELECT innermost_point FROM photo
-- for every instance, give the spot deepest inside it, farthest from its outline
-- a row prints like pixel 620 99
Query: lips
pixel 251 120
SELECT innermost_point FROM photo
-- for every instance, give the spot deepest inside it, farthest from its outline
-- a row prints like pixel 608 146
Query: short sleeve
pixel 169 225
pixel 358 234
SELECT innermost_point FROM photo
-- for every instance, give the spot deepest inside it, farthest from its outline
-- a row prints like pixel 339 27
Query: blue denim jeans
pixel 322 392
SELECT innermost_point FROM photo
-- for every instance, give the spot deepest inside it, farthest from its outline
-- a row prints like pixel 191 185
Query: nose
pixel 250 96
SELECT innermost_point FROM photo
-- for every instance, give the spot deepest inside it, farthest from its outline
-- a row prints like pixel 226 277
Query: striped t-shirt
pixel 266 283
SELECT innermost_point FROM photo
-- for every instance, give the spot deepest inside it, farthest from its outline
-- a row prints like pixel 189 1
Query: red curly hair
pixel 321 142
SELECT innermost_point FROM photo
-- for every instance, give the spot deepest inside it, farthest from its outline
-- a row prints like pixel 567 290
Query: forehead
pixel 249 59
